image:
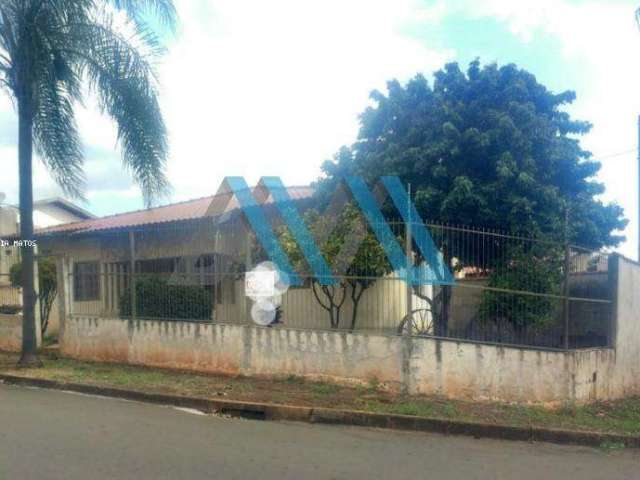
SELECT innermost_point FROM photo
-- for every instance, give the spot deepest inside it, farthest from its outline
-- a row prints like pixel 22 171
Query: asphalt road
pixel 56 435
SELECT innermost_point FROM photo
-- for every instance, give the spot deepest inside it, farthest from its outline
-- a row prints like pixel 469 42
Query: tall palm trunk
pixel 25 159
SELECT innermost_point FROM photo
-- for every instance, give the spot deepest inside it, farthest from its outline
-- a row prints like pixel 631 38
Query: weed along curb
pixel 329 416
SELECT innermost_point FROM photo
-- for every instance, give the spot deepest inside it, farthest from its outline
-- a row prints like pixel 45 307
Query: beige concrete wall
pixel 54 318
pixel 482 371
pixel 626 378
pixel 10 333
pixel 382 307
pixel 8 221
pixel 466 298
pixel 235 349
pixel 10 296
pixel 419 365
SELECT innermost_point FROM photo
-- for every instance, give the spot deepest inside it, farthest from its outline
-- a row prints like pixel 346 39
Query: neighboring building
pixel 57 211
pixel 46 213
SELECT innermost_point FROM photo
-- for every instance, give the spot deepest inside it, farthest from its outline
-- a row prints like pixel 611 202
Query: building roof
pixel 60 203
pixel 176 212
pixel 65 205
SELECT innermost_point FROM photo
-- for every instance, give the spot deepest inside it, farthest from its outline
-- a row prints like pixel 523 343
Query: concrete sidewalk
pixel 51 435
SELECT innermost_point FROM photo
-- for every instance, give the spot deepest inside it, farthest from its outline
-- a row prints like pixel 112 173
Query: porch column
pixel 64 294
pixel 132 274
pixel 36 288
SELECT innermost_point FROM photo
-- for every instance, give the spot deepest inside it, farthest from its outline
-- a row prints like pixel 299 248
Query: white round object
pixel 263 316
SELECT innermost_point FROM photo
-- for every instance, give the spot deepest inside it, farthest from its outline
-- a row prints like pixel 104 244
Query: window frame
pixel 82 290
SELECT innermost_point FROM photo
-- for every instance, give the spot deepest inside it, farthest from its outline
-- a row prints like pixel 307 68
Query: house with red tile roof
pixel 188 260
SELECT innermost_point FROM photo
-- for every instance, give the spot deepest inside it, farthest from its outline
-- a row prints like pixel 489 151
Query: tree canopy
pixel 490 147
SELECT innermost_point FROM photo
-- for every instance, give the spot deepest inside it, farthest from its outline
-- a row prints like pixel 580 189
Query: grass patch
pixel 324 388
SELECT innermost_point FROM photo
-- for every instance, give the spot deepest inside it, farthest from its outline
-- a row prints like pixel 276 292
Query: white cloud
pixel 274 88
pixel 603 36
pixel 262 88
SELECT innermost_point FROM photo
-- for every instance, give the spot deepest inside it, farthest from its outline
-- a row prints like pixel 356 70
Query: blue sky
pixel 274 88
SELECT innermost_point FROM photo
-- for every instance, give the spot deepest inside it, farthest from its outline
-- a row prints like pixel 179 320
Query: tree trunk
pixel 25 160
pixel 355 300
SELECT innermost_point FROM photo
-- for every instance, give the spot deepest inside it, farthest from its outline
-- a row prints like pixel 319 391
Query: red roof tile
pixel 189 210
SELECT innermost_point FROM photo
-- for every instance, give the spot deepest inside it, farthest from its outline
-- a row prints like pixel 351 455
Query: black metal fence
pixel 508 289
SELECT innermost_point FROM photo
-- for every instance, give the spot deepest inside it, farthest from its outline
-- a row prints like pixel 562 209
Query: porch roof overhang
pixel 184 212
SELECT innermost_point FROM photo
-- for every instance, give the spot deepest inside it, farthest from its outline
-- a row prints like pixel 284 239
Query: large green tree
pixel 490 146
pixel 50 49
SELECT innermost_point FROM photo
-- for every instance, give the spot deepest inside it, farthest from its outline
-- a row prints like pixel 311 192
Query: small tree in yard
pixel 357 272
pixel 47 284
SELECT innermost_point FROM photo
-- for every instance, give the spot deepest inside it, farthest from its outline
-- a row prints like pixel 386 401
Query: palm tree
pixel 49 51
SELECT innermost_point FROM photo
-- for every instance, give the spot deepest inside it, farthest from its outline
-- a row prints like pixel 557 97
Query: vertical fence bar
pixel 612 274
pixel 565 285
pixel 72 286
pixel 132 270
pixel 408 250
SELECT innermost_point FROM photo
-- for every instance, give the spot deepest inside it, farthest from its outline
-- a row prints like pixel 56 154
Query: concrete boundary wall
pixel 625 373
pixel 417 365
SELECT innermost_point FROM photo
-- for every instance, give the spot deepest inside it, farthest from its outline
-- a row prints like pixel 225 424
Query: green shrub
pixel 155 298
pixel 537 270
pixel 47 287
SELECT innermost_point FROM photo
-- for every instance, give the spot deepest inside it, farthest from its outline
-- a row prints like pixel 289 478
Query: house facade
pixel 201 247
pixel 46 213
pixel 190 310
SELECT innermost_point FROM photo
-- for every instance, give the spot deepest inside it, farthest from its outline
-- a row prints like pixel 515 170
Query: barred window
pixel 86 285
pixel 156 266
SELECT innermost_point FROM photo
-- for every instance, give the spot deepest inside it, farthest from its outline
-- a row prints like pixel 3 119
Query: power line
pixel 613 155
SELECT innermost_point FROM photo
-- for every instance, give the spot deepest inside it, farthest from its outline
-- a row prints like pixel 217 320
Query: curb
pixel 330 416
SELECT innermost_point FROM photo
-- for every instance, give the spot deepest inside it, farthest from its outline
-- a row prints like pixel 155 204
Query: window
pixel 86 285
pixel 156 266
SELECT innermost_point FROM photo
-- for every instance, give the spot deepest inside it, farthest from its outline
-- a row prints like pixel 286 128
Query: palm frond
pixel 49 47
pixel 56 135
pixel 164 10
pixel 123 79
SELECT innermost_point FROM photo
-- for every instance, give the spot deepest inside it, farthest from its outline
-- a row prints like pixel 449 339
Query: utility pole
pixel 638 240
